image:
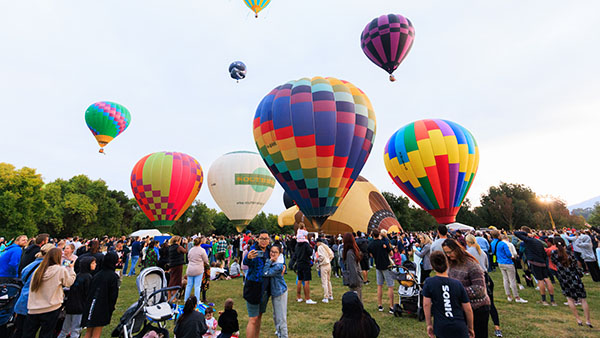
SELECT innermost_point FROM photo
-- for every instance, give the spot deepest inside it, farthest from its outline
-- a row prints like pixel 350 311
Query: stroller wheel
pixel 421 315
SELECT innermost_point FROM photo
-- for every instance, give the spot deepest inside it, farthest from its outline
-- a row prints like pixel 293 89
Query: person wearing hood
pixel 355 322
pixel 46 294
pixel 76 298
pixel 9 261
pixel 584 245
pixel 21 304
pixel 102 297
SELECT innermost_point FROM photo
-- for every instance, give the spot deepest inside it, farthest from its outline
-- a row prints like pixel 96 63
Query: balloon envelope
pixel 363 209
pixel 237 70
pixel 288 202
pixel 315 136
pixel 256 5
pixel 241 184
pixel 165 184
pixel 386 41
pixel 434 162
pixel 106 121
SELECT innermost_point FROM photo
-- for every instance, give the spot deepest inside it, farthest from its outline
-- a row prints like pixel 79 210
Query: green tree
pixel 401 208
pixel 21 203
pixel 594 218
pixel 198 218
pixel 466 215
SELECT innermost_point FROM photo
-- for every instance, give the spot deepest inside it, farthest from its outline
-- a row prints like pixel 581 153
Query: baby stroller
pixel 410 290
pixel 10 289
pixel 153 306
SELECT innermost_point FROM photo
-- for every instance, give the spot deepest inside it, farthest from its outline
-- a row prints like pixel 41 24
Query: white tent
pixel 459 226
pixel 146 232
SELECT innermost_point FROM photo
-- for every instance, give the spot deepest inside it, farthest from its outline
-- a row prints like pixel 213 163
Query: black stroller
pixel 410 291
pixel 153 306
pixel 10 289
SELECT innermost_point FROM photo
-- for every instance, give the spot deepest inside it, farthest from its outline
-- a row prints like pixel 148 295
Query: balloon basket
pixel 392 78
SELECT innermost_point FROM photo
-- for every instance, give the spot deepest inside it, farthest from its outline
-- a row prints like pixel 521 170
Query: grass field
pixel 517 320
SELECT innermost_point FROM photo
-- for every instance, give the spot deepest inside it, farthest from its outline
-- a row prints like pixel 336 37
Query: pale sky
pixel 523 77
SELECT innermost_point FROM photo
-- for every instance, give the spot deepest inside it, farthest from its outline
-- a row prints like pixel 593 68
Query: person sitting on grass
pixel 191 324
pixel 218 272
pixel 211 324
pixel 228 320
pixel 234 269
pixel 446 299
pixel 355 322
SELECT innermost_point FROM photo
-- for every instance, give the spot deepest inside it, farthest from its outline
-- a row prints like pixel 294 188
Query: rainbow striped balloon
pixel 165 184
pixel 257 5
pixel 386 41
pixel 434 162
pixel 315 136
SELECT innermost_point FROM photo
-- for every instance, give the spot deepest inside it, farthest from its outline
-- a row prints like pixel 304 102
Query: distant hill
pixel 585 204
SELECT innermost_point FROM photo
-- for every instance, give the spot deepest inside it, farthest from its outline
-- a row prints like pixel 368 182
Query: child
pixel 217 271
pixel 301 234
pixel 228 320
pixel 76 298
pixel 447 300
pixel 234 269
pixel 211 323
pixel 397 257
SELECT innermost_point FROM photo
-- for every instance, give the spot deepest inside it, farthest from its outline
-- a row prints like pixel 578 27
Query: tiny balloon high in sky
pixel 434 162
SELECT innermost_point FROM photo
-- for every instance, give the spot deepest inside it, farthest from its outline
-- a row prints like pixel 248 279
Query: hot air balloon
pixel 386 41
pixel 434 162
pixel 106 121
pixel 257 5
pixel 241 184
pixel 165 184
pixel 364 209
pixel 315 136
pixel 237 70
pixel 288 202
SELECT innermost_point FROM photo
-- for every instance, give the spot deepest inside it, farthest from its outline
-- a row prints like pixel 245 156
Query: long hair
pixel 94 246
pixel 462 256
pixel 350 244
pixel 561 249
pixel 473 242
pixel 188 308
pixel 53 257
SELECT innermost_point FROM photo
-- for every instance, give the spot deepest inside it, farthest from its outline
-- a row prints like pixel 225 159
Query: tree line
pixel 84 207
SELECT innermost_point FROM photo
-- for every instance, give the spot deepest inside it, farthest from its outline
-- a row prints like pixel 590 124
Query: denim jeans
pixel 280 314
pixel 125 264
pixel 194 282
pixel 134 260
pixel 71 326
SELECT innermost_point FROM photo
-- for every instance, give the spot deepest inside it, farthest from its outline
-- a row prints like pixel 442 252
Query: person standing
pixel 584 244
pixel 46 294
pixel 352 276
pixel 221 249
pixel 424 252
pixel 442 235
pixel 136 252
pixel 273 272
pixel 536 257
pixel 197 259
pixel 569 278
pixel 177 249
pixel 102 297
pixel 30 252
pixel 363 244
pixel 380 251
pixel 11 257
pixel 76 298
pixel 466 269
pixel 445 299
pixel 302 258
pixel 255 285
pixel 324 257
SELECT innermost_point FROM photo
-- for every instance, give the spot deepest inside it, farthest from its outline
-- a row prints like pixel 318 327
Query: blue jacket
pixel 503 255
pixel 28 271
pixel 483 244
pixel 256 266
pixel 275 272
pixel 9 261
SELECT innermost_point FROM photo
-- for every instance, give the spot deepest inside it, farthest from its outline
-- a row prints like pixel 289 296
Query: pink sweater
pixel 197 258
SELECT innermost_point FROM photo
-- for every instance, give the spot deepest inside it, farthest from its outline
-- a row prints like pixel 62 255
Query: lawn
pixel 517 320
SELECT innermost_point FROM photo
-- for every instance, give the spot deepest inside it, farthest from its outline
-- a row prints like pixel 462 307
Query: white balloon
pixel 241 184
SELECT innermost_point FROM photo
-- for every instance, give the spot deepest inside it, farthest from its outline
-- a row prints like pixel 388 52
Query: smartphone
pixel 66 262
pixel 260 253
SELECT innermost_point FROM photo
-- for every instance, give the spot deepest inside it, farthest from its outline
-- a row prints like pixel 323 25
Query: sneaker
pixel 325 300
pixel 521 300
pixel 331 298
pixel 300 300
pixel 521 287
pixel 380 308
pixel 498 333
pixel 545 303
pixel 310 301
pixel 578 303
pixel 391 311
pixel 367 283
pixel 509 299
pixel 537 288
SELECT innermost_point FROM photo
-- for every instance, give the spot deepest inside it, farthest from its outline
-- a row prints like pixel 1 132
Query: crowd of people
pixel 457 301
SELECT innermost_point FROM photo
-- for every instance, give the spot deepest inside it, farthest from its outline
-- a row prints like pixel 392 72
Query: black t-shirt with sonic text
pixel 447 296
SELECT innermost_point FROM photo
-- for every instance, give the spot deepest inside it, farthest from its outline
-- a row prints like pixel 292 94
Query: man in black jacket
pixel 302 258
pixel 380 251
pixel 537 260
pixel 29 253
